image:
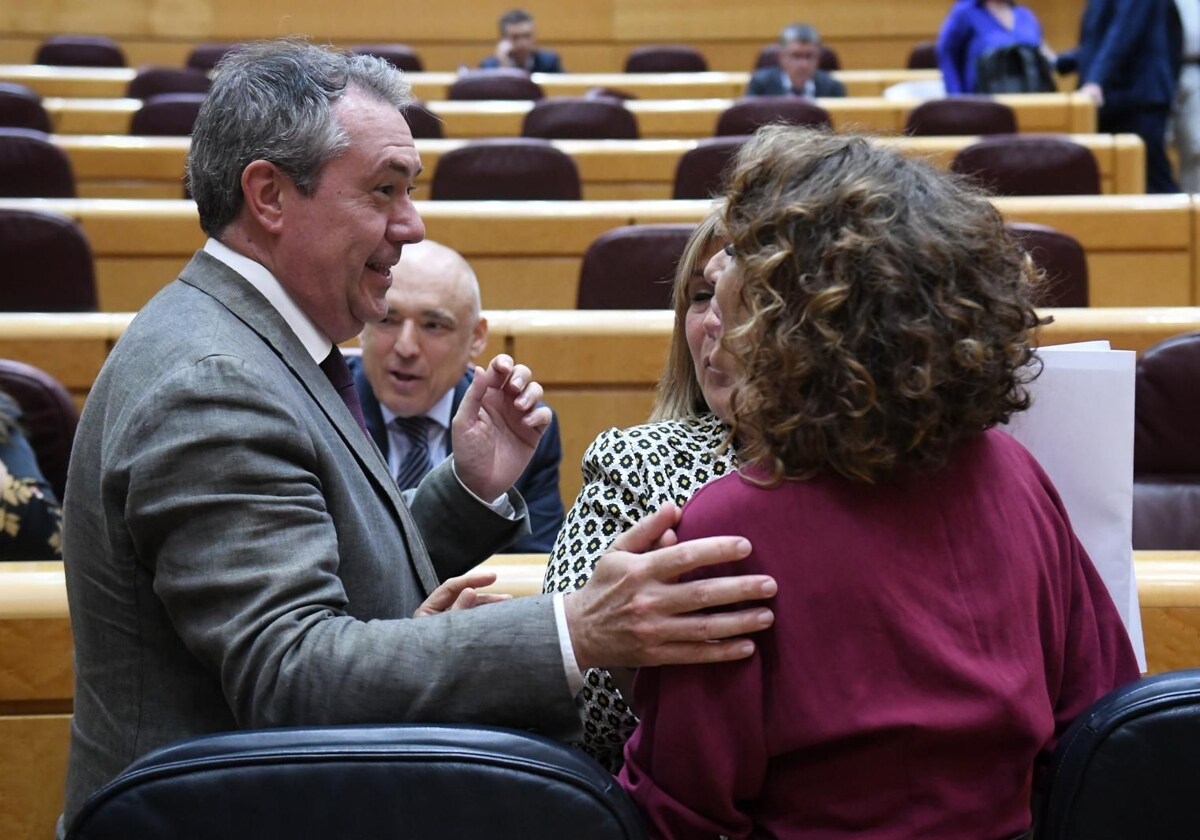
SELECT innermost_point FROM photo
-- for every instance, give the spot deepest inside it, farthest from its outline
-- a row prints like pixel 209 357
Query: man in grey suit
pixel 236 553
pixel 799 72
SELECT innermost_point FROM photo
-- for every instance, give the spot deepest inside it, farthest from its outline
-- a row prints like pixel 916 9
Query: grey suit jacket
pixel 237 555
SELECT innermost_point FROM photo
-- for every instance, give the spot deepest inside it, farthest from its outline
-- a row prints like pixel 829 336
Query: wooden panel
pixel 35 663
pixel 33 773
pixel 1064 113
pixel 112 166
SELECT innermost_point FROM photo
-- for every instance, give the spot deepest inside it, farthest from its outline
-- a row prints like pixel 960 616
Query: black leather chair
pixel 1166 446
pixel 80 51
pixel 1127 767
pixel 700 172
pixel 747 115
pixel 1060 256
pixel 423 123
pixel 503 169
pixel 401 56
pixel 580 118
pixel 1028 164
pixel 355 783
pixel 502 83
pixel 666 58
pixel 152 81
pixel 31 166
pixel 48 415
pixel 47 263
pixel 21 107
pixel 167 115
pixel 960 115
pixel 632 267
pixel 923 56
pixel 205 56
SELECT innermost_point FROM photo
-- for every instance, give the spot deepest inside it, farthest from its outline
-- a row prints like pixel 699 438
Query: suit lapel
pixel 229 288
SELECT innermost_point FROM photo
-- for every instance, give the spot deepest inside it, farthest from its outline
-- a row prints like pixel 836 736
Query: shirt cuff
pixel 501 505
pixel 574 675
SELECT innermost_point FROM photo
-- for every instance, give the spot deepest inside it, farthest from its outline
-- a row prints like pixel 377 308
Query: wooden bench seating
pixel 599 368
pixel 1142 250
pixel 121 166
pixel 36 675
pixel 1062 113
pixel 112 82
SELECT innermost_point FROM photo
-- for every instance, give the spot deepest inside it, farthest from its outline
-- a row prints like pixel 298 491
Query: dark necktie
pixel 416 463
pixel 338 372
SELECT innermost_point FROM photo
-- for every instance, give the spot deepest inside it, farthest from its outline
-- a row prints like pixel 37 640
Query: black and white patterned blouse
pixel 627 473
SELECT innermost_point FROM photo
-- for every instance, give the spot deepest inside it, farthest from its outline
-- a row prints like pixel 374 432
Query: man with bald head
pixel 415 370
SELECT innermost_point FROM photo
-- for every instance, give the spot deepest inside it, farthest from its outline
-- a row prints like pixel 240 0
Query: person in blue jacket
pixel 517 47
pixel 1128 63
pixel 975 27
pixel 415 368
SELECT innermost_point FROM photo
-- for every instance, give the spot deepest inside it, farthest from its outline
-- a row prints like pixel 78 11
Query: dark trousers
pixel 1151 125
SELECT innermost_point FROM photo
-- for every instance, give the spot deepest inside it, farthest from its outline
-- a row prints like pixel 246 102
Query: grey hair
pixel 272 100
pixel 802 33
pixel 513 17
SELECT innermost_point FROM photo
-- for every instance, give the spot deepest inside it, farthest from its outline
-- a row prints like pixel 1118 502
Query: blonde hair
pixel 678 395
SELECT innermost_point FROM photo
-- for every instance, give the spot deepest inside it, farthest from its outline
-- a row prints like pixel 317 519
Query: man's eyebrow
pixel 403 168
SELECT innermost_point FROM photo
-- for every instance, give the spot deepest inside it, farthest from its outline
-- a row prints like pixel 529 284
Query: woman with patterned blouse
pixel 30 519
pixel 629 473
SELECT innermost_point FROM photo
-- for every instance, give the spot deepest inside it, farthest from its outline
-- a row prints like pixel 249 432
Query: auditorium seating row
pixel 1066 113
pixel 36 687
pixel 107 166
pixel 113 83
pixel 589 36
pixel 599 368
pixel 1141 250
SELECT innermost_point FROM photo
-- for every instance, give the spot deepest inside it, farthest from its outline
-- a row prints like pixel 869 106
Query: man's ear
pixel 479 338
pixel 263 190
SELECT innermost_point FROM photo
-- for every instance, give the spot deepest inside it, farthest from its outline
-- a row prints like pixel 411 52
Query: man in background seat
pixel 517 47
pixel 415 369
pixel 799 70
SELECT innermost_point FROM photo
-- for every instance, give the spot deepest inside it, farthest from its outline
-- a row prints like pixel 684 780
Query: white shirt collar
pixel 257 275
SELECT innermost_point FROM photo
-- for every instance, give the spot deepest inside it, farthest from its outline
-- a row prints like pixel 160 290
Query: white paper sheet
pixel 1080 429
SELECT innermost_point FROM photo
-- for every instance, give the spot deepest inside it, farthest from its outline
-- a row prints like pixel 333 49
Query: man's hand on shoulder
pixel 634 612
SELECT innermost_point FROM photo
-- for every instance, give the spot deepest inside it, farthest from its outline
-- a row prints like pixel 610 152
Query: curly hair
pixel 886 313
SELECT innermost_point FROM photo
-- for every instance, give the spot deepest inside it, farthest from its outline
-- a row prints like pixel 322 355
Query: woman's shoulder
pixel 701 433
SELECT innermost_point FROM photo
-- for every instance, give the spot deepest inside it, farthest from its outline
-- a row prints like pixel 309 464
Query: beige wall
pixel 593 35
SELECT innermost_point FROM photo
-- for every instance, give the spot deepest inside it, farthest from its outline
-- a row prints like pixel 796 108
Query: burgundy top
pixel 933 638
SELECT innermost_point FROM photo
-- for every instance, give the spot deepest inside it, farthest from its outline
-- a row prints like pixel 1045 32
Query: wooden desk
pixel 599 368
pixel 121 166
pixel 1142 250
pixel 111 83
pixel 1063 113
pixel 36 670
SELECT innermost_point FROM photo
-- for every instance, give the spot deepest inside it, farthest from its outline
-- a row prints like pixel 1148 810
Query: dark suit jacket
pixel 769 82
pixel 237 555
pixel 538 485
pixel 1129 48
pixel 544 61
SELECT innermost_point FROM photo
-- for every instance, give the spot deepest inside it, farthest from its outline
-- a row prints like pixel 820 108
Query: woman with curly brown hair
pixel 937 623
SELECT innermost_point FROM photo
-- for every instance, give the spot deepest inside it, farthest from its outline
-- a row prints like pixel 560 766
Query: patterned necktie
pixel 416 463
pixel 334 367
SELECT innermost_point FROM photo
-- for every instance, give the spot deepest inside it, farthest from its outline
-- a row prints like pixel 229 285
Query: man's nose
pixel 405 227
pixel 405 343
